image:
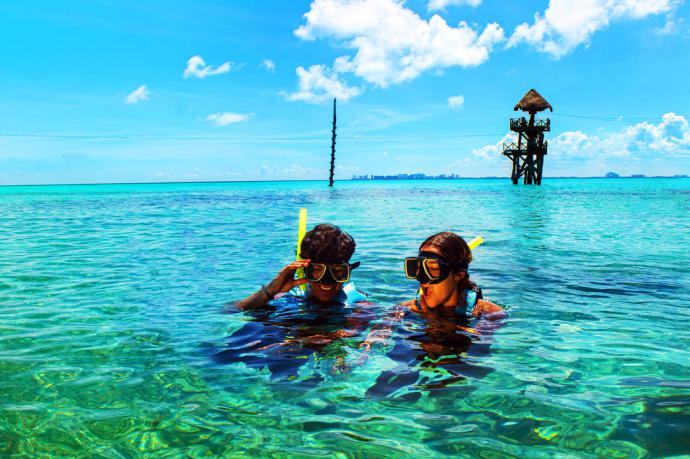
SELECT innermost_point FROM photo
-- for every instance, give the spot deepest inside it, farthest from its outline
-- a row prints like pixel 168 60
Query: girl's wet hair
pixel 455 250
pixel 327 244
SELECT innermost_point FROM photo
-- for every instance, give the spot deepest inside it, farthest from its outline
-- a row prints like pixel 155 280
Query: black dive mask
pixel 430 268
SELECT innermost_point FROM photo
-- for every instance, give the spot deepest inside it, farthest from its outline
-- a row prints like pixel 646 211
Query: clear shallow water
pixel 111 297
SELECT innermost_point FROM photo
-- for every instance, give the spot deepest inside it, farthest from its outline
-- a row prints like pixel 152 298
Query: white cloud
pixel 225 118
pixel 456 101
pixel 483 161
pixel 139 94
pixel 672 26
pixel 670 137
pixel 493 151
pixel 389 156
pixel 318 84
pixel 435 5
pixel 391 43
pixel 626 151
pixel 196 174
pixel 196 66
pixel 566 24
pixel 268 65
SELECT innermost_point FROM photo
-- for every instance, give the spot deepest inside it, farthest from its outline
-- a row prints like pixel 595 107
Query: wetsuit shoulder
pixel 485 307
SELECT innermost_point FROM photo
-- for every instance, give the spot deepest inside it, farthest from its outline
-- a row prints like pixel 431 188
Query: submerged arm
pixel 490 318
pixel 381 332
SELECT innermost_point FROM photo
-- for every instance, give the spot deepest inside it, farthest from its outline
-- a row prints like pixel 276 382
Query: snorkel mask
pixel 430 268
pixel 330 273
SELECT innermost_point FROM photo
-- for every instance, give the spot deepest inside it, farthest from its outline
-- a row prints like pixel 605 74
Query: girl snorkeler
pixel 439 330
pixel 440 267
pixel 445 289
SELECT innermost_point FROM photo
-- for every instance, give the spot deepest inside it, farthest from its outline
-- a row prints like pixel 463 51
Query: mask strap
pixel 433 255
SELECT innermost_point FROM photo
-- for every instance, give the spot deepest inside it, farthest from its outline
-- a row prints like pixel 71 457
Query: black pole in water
pixel 330 179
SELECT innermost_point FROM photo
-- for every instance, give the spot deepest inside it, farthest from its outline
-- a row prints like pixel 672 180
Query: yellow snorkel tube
pixel 476 242
pixel 301 231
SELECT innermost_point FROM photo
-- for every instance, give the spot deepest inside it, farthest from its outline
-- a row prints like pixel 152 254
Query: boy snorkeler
pixel 326 251
pixel 286 326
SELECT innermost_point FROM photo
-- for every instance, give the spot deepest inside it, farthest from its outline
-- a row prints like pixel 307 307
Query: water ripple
pixel 111 297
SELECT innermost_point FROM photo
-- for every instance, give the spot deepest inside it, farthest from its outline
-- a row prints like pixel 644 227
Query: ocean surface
pixel 115 301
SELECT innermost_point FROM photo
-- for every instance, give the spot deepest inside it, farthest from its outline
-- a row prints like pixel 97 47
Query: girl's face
pixel 445 292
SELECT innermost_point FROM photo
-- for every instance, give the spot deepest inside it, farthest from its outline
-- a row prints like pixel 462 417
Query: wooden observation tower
pixel 529 151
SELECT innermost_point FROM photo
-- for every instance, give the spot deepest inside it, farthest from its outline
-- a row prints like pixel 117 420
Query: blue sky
pixel 120 91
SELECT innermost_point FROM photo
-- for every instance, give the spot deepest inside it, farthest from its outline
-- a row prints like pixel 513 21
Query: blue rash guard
pixel 348 294
pixel 285 333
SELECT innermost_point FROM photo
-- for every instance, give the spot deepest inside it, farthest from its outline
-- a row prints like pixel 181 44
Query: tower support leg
pixel 529 170
pixel 514 176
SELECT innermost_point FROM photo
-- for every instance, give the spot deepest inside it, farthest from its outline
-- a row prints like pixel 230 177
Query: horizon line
pixel 326 180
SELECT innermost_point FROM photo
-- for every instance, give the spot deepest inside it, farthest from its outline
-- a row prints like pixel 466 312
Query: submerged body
pixel 284 334
pixel 292 319
pixel 434 347
pixel 448 319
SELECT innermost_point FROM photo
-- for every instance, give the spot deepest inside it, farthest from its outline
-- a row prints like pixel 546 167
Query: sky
pixel 131 91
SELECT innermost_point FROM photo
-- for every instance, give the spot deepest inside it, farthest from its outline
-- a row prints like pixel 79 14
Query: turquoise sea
pixel 114 298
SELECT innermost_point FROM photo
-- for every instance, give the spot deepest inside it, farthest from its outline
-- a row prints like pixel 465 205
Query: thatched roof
pixel 532 102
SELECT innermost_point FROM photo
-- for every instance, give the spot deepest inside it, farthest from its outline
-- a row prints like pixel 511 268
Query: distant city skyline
pixel 422 176
pixel 207 91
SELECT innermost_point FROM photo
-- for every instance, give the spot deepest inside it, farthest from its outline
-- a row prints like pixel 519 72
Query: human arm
pixel 383 330
pixel 487 308
pixel 283 282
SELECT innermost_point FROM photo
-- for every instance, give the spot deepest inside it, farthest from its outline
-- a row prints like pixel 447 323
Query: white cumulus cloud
pixel 670 137
pixel 566 24
pixel 225 118
pixel 391 43
pixel 435 5
pixel 319 83
pixel 632 149
pixel 196 66
pixel 139 94
pixel 268 65
pixel 456 101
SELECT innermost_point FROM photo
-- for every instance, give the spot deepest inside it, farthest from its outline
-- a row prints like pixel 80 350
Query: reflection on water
pixel 433 352
pixel 111 299
pixel 284 334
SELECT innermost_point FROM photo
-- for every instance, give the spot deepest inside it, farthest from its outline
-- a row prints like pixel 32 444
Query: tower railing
pixel 521 124
pixel 513 148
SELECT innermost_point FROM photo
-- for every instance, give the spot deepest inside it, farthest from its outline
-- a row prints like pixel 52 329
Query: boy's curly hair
pixel 327 244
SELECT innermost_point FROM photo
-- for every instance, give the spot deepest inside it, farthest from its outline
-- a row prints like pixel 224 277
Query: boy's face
pixel 324 292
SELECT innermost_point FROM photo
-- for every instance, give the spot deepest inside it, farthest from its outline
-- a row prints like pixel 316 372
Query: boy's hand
pixel 285 280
